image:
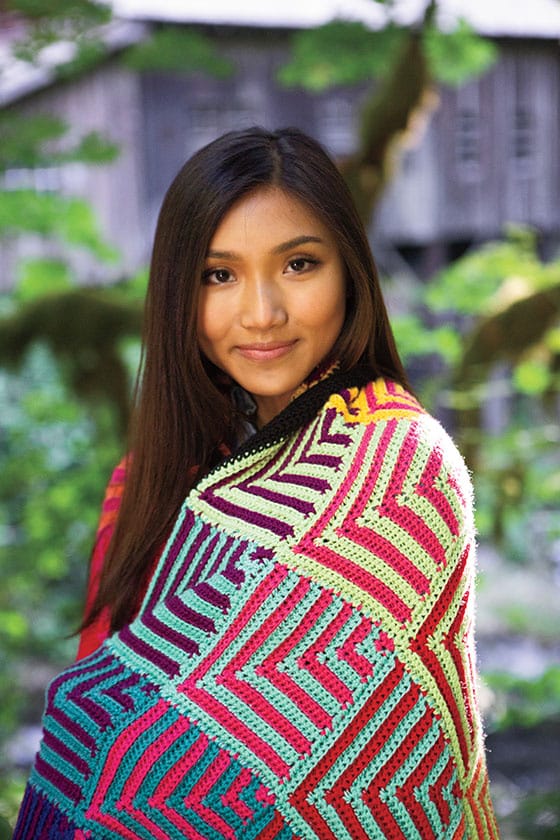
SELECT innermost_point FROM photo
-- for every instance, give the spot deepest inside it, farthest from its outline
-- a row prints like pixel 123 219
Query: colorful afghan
pixel 302 662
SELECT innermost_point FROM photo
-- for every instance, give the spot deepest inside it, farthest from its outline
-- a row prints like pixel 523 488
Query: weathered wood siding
pixel 489 155
pixel 106 101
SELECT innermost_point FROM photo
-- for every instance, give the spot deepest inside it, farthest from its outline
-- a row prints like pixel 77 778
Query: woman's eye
pixel 301 264
pixel 217 276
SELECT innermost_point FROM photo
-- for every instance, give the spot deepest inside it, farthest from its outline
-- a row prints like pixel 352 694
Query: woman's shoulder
pixel 395 423
pixel 378 399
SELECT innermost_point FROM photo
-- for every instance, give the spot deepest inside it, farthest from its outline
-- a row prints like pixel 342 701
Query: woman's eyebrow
pixel 293 243
pixel 222 255
pixel 278 249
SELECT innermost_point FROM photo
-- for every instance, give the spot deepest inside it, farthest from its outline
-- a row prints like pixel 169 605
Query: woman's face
pixel 273 296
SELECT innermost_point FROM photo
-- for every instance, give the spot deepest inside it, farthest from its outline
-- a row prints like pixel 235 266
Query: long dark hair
pixel 182 409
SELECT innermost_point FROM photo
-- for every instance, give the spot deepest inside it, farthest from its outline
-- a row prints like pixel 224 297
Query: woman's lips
pixel 263 352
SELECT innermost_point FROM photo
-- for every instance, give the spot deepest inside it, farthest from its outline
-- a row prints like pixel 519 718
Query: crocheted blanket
pixel 302 662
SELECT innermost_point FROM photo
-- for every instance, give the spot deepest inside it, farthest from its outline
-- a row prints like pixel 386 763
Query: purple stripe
pixel 293 457
pixel 202 564
pixel 280 498
pixel 61 749
pixel 172 554
pixel 263 554
pixel 64 785
pixel 38 816
pixel 89 706
pixel 232 572
pixel 309 481
pixel 98 678
pixel 169 634
pixel 326 436
pixel 212 596
pixel 163 662
pixel 276 526
pixel 75 730
pixel 117 692
pixel 190 616
pixel 25 814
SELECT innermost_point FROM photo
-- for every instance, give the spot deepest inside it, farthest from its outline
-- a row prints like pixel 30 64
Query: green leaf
pixel 85 12
pixel 51 564
pixel 13 625
pixel 74 21
pixel 467 285
pixel 89 52
pixel 49 214
pixel 78 226
pixel 27 143
pixel 41 275
pixel 414 339
pixel 531 377
pixel 552 340
pixel 24 138
pixel 459 55
pixel 182 50
pixel 340 53
pixel 94 148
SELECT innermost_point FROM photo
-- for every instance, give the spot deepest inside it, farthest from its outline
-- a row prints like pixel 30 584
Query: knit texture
pixel 302 663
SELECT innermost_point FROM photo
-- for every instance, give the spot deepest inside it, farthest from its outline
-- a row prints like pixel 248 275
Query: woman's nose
pixel 262 306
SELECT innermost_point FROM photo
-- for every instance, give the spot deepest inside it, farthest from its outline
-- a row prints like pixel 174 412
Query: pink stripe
pixel 115 757
pixel 321 672
pixel 216 709
pixel 238 729
pixel 269 668
pixel 325 556
pixel 348 651
pixel 168 785
pixel 251 696
pixel 195 799
pixel 232 799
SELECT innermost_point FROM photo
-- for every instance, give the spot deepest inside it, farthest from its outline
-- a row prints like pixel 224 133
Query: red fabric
pixel 95 634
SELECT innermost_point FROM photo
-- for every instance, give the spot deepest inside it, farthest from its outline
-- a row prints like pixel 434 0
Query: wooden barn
pixel 488 156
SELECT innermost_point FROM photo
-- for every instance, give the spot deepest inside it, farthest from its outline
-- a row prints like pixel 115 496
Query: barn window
pixel 467 138
pixel 522 143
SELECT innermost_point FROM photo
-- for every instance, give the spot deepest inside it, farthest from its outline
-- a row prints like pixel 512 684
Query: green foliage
pixel 491 290
pixel 83 329
pixel 415 340
pixel 517 483
pixel 54 458
pixel 93 149
pixel 458 55
pixel 88 52
pixel 183 50
pixel 51 215
pixel 82 13
pixel 340 53
pixel 347 52
pixel 538 817
pixel 524 702
pixel 37 277
pixel 28 141
pixel 469 285
pixel 532 377
pixel 24 137
pixel 12 786
pixel 57 20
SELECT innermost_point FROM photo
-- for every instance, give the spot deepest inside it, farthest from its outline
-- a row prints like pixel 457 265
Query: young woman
pixel 279 624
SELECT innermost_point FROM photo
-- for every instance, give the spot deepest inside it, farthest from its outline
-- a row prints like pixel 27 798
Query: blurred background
pixel 444 117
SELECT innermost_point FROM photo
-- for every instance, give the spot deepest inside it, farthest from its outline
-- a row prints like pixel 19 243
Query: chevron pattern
pixel 302 663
